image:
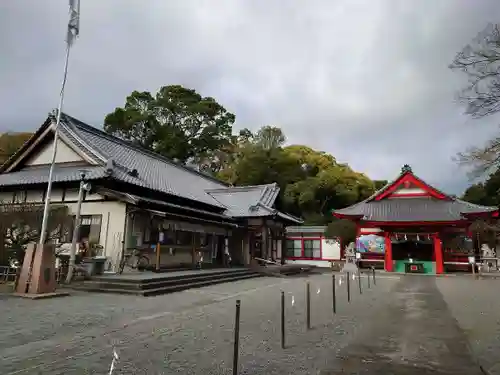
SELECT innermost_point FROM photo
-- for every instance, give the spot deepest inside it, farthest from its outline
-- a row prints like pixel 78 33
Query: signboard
pixel 370 243
pixel 472 260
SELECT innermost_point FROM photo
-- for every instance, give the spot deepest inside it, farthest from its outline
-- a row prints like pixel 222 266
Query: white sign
pixel 472 260
pixel 358 255
pixel 161 237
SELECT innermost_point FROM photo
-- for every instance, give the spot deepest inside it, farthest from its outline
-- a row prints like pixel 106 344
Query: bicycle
pixel 134 260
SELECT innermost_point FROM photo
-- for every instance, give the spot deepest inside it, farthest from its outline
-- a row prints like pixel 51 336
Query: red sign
pixel 414 268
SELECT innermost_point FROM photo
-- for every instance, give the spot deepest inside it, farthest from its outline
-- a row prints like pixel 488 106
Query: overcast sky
pixel 366 80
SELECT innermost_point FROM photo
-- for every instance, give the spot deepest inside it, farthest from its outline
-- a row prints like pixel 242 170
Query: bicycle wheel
pixel 142 262
pixel 133 261
pixel 121 266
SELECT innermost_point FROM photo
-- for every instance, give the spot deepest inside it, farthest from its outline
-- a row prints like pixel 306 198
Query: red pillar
pixel 388 253
pixel 438 252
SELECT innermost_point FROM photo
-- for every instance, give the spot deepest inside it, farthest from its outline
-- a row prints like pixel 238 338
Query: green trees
pixel 312 182
pixel 177 122
pixel 181 124
pixel 485 193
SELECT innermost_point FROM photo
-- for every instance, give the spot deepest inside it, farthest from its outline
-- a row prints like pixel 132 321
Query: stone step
pixel 163 282
pixel 172 275
pixel 167 289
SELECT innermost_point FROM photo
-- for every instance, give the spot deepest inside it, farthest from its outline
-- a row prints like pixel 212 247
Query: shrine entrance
pixel 413 253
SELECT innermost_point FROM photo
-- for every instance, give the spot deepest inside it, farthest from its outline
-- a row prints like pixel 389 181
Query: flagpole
pixel 73 29
pixel 46 208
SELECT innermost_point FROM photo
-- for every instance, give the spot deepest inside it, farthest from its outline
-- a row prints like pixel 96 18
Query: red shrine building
pixel 410 226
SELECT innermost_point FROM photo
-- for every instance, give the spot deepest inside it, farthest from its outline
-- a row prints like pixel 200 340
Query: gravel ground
pixel 189 332
pixel 475 304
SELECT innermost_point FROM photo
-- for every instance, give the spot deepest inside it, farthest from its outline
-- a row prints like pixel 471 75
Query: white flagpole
pixel 72 26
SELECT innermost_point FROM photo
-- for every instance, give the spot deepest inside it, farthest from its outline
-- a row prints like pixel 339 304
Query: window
pixel 90 228
pixel 294 248
pixel 312 248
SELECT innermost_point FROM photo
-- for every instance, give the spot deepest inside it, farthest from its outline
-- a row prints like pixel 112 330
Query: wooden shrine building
pixel 410 226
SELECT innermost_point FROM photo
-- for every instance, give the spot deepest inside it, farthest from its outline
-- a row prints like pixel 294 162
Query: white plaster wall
pixel 112 225
pixel 409 191
pixel 330 249
pixel 64 154
pixel 113 216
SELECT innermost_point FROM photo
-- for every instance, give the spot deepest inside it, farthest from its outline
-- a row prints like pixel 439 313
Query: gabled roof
pixel 246 200
pixel 251 201
pixel 406 178
pixel 112 157
pixel 121 158
pixel 430 206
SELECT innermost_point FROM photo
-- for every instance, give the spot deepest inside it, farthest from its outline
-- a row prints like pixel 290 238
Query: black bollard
pixel 334 295
pixel 308 305
pixel 282 320
pixel 348 287
pixel 236 338
pixel 373 270
pixel 368 278
pixel 359 282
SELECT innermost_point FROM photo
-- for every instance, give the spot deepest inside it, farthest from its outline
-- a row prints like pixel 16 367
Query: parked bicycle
pixel 134 259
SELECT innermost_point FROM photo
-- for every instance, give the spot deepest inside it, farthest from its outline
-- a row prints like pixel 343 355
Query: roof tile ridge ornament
pixel 110 166
pixel 406 169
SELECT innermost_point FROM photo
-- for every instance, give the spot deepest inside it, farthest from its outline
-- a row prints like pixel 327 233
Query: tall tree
pixel 480 61
pixel 269 137
pixel 486 193
pixel 177 122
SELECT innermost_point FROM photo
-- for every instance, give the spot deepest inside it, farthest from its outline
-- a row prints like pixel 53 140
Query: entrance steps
pixel 150 284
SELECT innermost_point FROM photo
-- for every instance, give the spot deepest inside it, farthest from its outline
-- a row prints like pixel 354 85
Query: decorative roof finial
pixel 406 168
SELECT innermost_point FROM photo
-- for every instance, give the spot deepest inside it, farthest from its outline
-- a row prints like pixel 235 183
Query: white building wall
pixel 330 251
pixel 413 190
pixel 113 215
pixel 64 155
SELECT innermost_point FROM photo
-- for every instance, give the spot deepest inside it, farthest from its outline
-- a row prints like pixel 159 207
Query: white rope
pixel 115 358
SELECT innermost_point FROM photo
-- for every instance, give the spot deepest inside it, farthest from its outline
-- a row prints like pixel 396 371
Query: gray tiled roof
pixel 41 175
pixel 117 159
pixel 413 209
pixel 246 200
pixel 154 172
pixel 251 201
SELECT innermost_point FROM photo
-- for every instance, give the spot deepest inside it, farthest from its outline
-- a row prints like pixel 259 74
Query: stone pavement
pixel 400 326
pixel 415 335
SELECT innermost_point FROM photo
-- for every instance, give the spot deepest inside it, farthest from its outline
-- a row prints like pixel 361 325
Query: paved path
pixel 401 326
pixel 414 335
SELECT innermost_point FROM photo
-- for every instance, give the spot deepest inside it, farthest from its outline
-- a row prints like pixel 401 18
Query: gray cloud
pixel 364 80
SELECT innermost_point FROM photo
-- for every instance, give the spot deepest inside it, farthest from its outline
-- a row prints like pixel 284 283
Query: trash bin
pixel 99 263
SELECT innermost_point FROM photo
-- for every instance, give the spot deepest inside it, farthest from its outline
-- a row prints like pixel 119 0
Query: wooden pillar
pixel 388 252
pixel 193 248
pixel 438 253
pixel 265 242
pixel 158 249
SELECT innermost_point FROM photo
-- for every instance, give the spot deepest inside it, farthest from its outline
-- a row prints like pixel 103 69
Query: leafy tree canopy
pixel 344 229
pixel 485 193
pixel 312 182
pixel 176 122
